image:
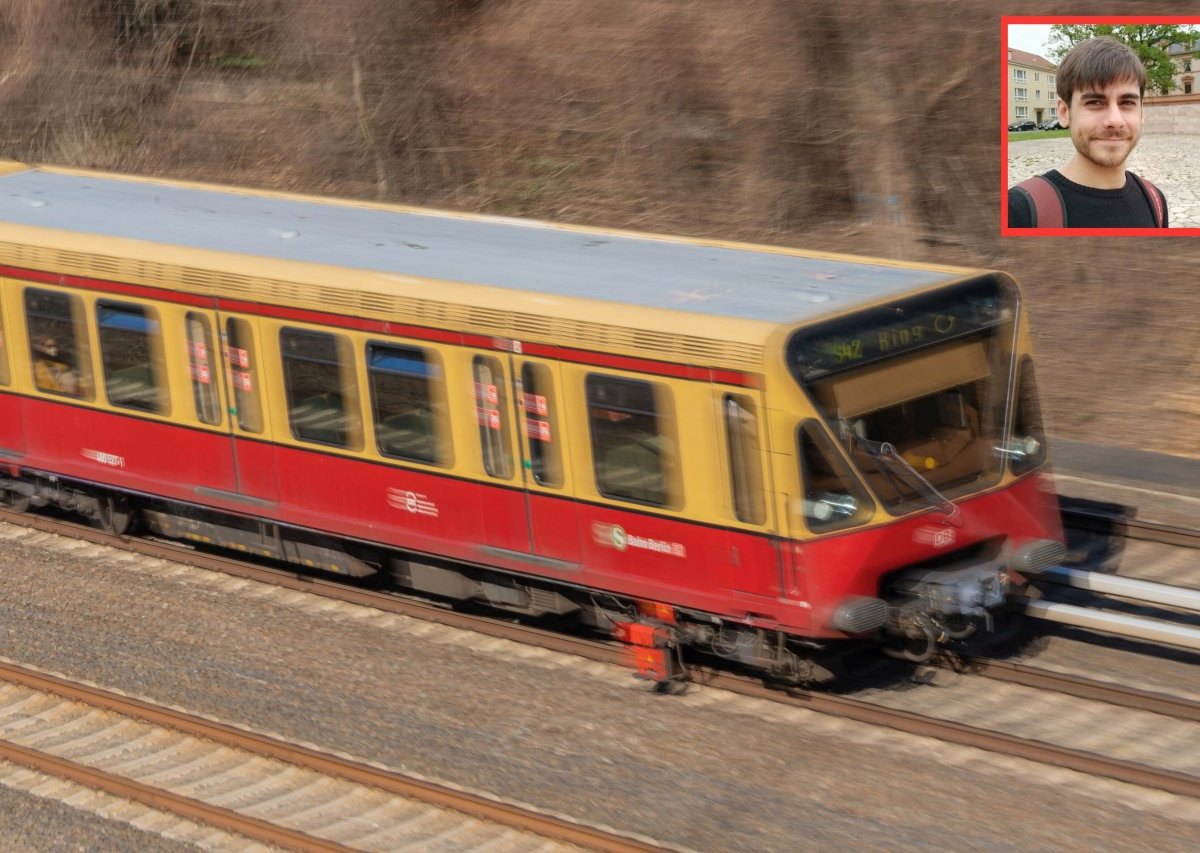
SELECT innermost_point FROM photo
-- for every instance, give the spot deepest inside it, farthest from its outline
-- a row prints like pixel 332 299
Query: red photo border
pixel 1005 22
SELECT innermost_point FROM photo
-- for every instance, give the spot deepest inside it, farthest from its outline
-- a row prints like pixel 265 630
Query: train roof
pixel 717 290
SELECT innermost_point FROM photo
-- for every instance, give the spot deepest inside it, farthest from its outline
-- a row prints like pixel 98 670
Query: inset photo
pixel 1101 125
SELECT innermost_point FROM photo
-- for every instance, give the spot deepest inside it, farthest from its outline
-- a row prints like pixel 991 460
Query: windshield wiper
pixel 886 453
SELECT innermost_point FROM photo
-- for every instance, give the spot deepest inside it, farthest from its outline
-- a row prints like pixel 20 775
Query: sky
pixel 1030 38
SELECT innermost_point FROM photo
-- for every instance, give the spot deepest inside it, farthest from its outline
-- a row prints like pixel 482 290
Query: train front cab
pixel 919 493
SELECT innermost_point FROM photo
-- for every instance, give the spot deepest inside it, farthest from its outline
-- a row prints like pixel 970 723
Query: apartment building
pixel 1030 84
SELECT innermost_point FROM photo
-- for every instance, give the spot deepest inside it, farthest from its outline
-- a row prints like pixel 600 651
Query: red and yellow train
pixel 753 452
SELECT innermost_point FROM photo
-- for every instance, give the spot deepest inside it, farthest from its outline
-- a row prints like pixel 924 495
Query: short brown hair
pixel 1098 62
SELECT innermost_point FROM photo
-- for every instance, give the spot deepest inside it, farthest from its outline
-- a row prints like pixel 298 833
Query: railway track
pixel 1030 748
pixel 1094 517
pixel 255 786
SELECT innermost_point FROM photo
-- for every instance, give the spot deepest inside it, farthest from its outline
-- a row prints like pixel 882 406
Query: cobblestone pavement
pixel 1169 160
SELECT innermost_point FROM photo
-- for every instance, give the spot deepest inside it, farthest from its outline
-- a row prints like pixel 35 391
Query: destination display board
pixel 900 327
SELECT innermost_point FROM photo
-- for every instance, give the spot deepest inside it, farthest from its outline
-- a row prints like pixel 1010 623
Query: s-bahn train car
pixel 740 450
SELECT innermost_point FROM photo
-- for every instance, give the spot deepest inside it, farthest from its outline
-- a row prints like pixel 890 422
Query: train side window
pixel 833 497
pixel 200 351
pixel 633 441
pixel 318 377
pixel 408 393
pixel 491 410
pixel 4 380
pixel 538 413
pixel 130 347
pixel 745 458
pixel 1027 449
pixel 58 340
pixel 243 372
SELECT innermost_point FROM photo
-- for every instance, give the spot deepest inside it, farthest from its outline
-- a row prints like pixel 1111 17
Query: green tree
pixel 1149 42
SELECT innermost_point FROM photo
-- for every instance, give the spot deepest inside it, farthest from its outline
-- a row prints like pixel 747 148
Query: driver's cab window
pixel 833 498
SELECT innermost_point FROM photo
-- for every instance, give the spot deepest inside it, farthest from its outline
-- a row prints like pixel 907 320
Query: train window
pixel 633 440
pixel 745 458
pixel 130 347
pixel 537 407
pixel 58 341
pixel 408 392
pixel 322 396
pixel 200 350
pixel 491 410
pixel 243 373
pixel 833 497
pixel 3 351
pixel 1027 448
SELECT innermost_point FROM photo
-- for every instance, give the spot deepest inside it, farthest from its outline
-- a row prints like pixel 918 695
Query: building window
pixel 1187 87
pixel 1022 94
pixel 1022 112
pixel 318 376
pixel 408 402
pixel 130 341
pixel 633 440
pixel 1049 79
pixel 1036 77
pixel 1018 73
pixel 1187 65
pixel 1050 95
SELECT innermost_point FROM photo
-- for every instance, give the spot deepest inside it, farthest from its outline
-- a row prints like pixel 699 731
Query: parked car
pixel 1028 124
pixel 1050 124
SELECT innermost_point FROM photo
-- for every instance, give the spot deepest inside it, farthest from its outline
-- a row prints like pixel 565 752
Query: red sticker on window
pixel 198 350
pixel 242 382
pixel 535 404
pixel 238 357
pixel 537 430
pixel 200 374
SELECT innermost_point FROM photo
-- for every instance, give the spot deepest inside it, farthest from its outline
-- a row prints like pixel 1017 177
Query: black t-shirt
pixel 1087 207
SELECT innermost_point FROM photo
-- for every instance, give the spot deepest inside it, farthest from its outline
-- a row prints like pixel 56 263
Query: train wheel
pixel 13 500
pixel 114 514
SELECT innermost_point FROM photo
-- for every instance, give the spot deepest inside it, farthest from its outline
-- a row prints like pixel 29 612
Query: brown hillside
pixel 866 126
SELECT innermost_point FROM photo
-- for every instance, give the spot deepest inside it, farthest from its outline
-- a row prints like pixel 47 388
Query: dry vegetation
pixel 868 126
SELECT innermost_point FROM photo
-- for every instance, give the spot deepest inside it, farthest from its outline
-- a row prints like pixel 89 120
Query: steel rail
pixel 487 809
pixel 1096 521
pixel 1082 688
pixel 157 798
pixel 837 706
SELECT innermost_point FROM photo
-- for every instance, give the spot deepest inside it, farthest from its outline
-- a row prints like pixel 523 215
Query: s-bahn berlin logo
pixel 614 536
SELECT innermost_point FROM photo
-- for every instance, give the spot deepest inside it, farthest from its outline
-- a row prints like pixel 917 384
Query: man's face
pixel 1106 123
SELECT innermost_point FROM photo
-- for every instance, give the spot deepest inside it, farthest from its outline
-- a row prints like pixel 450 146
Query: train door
pixel 528 518
pixel 12 443
pixel 551 510
pixel 253 452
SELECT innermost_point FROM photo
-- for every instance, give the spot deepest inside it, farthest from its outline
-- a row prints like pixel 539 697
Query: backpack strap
pixel 1154 196
pixel 1045 202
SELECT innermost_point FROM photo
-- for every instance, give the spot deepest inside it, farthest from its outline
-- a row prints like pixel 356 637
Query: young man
pixel 1100 85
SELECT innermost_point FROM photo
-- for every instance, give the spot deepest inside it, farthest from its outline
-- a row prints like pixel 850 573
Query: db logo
pixel 938 537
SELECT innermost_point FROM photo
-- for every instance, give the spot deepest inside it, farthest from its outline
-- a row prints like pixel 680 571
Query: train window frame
pixel 826 510
pixel 243 374
pixel 72 377
pixel 743 444
pixel 347 431
pixel 431 416
pixel 5 375
pixel 492 415
pixel 1027 446
pixel 206 397
pixel 539 407
pixel 138 383
pixel 619 407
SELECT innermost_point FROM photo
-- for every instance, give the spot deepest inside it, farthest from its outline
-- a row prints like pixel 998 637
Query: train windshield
pixel 917 390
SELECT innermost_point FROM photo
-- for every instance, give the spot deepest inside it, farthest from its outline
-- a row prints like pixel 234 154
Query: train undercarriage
pixel 922 611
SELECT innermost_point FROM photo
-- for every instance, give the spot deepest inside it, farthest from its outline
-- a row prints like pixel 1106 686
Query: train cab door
pixel 12 441
pixel 525 516
pixel 255 481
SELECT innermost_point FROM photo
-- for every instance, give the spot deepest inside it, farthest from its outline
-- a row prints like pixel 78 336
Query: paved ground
pixel 1167 159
